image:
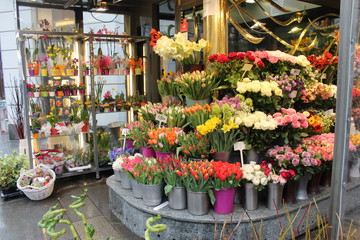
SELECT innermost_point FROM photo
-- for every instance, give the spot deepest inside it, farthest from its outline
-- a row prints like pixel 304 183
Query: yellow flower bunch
pixel 227 127
pixel 209 126
pixel 355 139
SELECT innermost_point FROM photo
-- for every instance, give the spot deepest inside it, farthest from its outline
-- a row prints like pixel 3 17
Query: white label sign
pixel 295 71
pixel 160 118
pixel 239 146
pixel 125 131
pixel 247 67
pixel 323 76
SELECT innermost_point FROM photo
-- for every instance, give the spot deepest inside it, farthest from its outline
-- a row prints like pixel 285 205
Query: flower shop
pixel 246 142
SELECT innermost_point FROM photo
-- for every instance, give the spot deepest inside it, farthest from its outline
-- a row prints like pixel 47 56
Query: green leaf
pixel 167 189
pixel 91 230
pixel 212 197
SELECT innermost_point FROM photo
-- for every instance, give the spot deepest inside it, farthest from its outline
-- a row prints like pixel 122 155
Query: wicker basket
pixel 38 193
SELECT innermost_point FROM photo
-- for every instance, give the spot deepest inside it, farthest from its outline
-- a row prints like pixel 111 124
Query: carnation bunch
pixel 253 173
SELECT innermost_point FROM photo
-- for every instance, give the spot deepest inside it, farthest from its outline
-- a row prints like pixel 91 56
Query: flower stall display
pixel 226 179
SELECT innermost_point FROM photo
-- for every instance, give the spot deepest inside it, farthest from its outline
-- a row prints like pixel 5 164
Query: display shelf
pixel 54 136
pixel 72 174
pixel 78 95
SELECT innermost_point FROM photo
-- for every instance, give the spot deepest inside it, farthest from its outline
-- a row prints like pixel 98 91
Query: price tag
pixel 161 118
pixel 125 131
pixel 293 94
pixel 323 76
pixel 240 146
pixel 295 71
pixel 329 112
pixel 247 67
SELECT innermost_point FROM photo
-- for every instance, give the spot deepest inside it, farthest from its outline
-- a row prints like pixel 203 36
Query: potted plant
pixel 86 68
pixel 73 89
pixel 51 90
pixel 82 88
pixel 35 126
pixel 44 90
pixel 43 65
pixel 53 52
pixel 30 89
pixel 168 89
pixel 129 165
pixel 140 140
pixel 59 90
pixel 10 166
pixel 84 117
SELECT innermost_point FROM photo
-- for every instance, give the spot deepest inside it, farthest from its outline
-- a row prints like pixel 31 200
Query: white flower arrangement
pixel 265 88
pixel 253 173
pixel 257 120
pixel 117 163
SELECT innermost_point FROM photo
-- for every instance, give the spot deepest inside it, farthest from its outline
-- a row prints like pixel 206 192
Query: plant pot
pixel 11 192
pixel 224 200
pixel 148 152
pixel 30 94
pixel 54 131
pixel 192 67
pixel 275 193
pixel 106 72
pixel 177 198
pixel 86 72
pixel 301 191
pixel 198 202
pixel 117 175
pixel 31 72
pixel 82 91
pixel 35 66
pixel 44 72
pixel 191 102
pixel 163 155
pixel 127 71
pixel 170 99
pixel 289 192
pixel 52 94
pixel 54 72
pixel 125 180
pixel 252 156
pixel 76 72
pixel 67 92
pixel 74 92
pixel 136 188
pixel 35 135
pixel 152 194
pixel 314 184
pixel 251 197
pixel 44 94
pixel 70 72
pixel 129 143
pixel 60 93
pixel 221 156
pixel 36 94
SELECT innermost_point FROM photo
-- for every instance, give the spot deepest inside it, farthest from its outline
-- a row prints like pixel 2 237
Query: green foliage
pixel 10 166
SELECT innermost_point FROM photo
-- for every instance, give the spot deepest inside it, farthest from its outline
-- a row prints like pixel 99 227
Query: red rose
pixel 260 63
pixel 213 58
pixel 251 58
pixel 240 56
pixel 249 53
pixel 232 55
pixel 328 55
pixel 223 58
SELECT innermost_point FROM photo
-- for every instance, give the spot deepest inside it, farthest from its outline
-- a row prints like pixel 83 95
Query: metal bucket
pixel 114 128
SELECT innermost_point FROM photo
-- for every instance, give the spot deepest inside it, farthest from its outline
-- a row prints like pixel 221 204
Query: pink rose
pixel 295 162
pixel 287 119
pixel 291 111
pixel 306 162
pixel 294 117
pixel 272 59
pixel 277 115
pixel 295 124
pixel 280 121
pixel 304 124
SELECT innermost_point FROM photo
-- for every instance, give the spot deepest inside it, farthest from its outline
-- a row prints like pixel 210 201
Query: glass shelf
pixel 52 136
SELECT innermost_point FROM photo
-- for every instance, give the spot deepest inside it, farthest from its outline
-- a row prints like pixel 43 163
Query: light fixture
pixel 102 7
pixel 250 1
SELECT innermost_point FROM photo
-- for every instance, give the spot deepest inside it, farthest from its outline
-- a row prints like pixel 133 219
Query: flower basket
pixel 38 193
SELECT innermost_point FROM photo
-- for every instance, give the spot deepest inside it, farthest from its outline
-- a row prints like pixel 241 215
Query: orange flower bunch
pixel 197 176
pixel 315 121
pixel 165 139
pixel 355 139
pixel 197 114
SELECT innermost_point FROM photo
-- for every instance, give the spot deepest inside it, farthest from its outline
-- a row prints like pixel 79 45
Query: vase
pixel 30 94
pixel 86 72
pixel 170 99
pixel 117 175
pixel 125 180
pixel 289 192
pixel 326 178
pixel 177 198
pixel 355 169
pixel 275 195
pixel 301 191
pixel 129 144
pixel 31 72
pixel 191 102
pixel 192 67
pixel 35 66
pixel 148 152
pixel 224 200
pixel 54 72
pixel 82 91
pixel 52 94
pixel 70 72
pixel 152 194
pixel 36 94
pixel 54 131
pixel 44 94
pixel 198 203
pixel 35 135
pixel 221 156
pixel 163 155
pixel 314 183
pixel 252 156
pixel 136 188
pixel 59 93
pixel 251 197
pixel 61 70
